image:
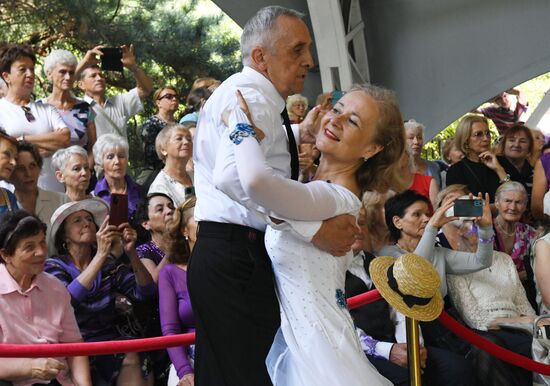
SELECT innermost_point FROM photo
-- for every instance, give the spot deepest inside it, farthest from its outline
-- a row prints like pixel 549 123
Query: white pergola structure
pixel 443 58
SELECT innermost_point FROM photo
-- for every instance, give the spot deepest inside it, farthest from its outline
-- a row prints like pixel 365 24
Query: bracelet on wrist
pixel 490 240
pixel 505 179
pixel 242 130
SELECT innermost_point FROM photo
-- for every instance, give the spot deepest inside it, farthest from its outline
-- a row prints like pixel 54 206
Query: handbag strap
pixel 473 174
pixel 7 199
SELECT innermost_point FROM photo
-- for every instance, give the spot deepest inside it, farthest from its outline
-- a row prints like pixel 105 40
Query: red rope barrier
pixel 94 348
pixel 492 348
pixel 147 344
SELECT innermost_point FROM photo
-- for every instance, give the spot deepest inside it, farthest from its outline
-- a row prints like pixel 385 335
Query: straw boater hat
pixel 410 284
pixel 96 206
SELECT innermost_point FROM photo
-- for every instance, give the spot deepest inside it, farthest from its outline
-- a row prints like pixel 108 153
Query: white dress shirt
pixel 174 189
pixel 265 104
pixel 47 120
pixel 119 109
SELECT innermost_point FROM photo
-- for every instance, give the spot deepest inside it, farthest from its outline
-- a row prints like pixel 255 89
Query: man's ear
pixel 258 58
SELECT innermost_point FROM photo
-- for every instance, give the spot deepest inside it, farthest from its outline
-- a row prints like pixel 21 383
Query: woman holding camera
pixel 111 153
pixel 412 230
pixel 91 267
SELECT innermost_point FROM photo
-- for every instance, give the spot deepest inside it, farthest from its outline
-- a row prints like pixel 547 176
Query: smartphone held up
pixel 466 208
pixel 111 60
pixel 118 212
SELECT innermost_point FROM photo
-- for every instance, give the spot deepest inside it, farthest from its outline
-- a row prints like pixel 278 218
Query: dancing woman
pixel 360 139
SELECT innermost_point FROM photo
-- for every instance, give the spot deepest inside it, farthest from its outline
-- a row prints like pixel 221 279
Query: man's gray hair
pixel 108 142
pixel 62 156
pixel 57 57
pixel 258 30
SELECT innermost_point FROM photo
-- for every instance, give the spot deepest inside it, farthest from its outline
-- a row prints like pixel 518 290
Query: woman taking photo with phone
pixel 412 230
pixel 91 266
pixel 111 153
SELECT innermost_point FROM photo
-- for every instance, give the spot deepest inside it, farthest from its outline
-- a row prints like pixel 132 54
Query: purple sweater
pixel 176 315
pixel 94 308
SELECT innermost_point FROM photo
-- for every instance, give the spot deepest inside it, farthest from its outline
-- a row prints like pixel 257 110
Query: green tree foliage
pixel 173 43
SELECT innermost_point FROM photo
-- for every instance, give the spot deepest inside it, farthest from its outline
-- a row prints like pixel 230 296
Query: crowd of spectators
pixel 63 158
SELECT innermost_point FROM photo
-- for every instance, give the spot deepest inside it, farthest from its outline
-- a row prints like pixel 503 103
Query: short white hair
pixel 258 30
pixel 61 157
pixel 108 142
pixel 57 57
pixel 412 124
pixel 296 98
pixel 511 186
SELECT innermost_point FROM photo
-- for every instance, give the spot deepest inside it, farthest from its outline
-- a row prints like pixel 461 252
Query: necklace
pixel 513 233
pixel 401 247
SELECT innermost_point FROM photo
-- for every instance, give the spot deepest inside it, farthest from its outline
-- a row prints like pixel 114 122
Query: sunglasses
pixel 481 134
pixel 168 96
pixel 28 114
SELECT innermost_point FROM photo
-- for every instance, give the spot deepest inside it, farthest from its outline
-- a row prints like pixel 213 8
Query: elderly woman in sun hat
pixel 36 308
pixel 91 266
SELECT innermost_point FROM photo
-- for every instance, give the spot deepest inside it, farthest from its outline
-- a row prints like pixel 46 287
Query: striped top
pixel 502 117
pixel 95 308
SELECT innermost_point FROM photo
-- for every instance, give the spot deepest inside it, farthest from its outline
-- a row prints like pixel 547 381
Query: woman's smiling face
pixel 347 131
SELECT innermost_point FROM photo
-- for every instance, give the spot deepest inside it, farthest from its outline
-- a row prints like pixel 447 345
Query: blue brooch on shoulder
pixel 341 298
